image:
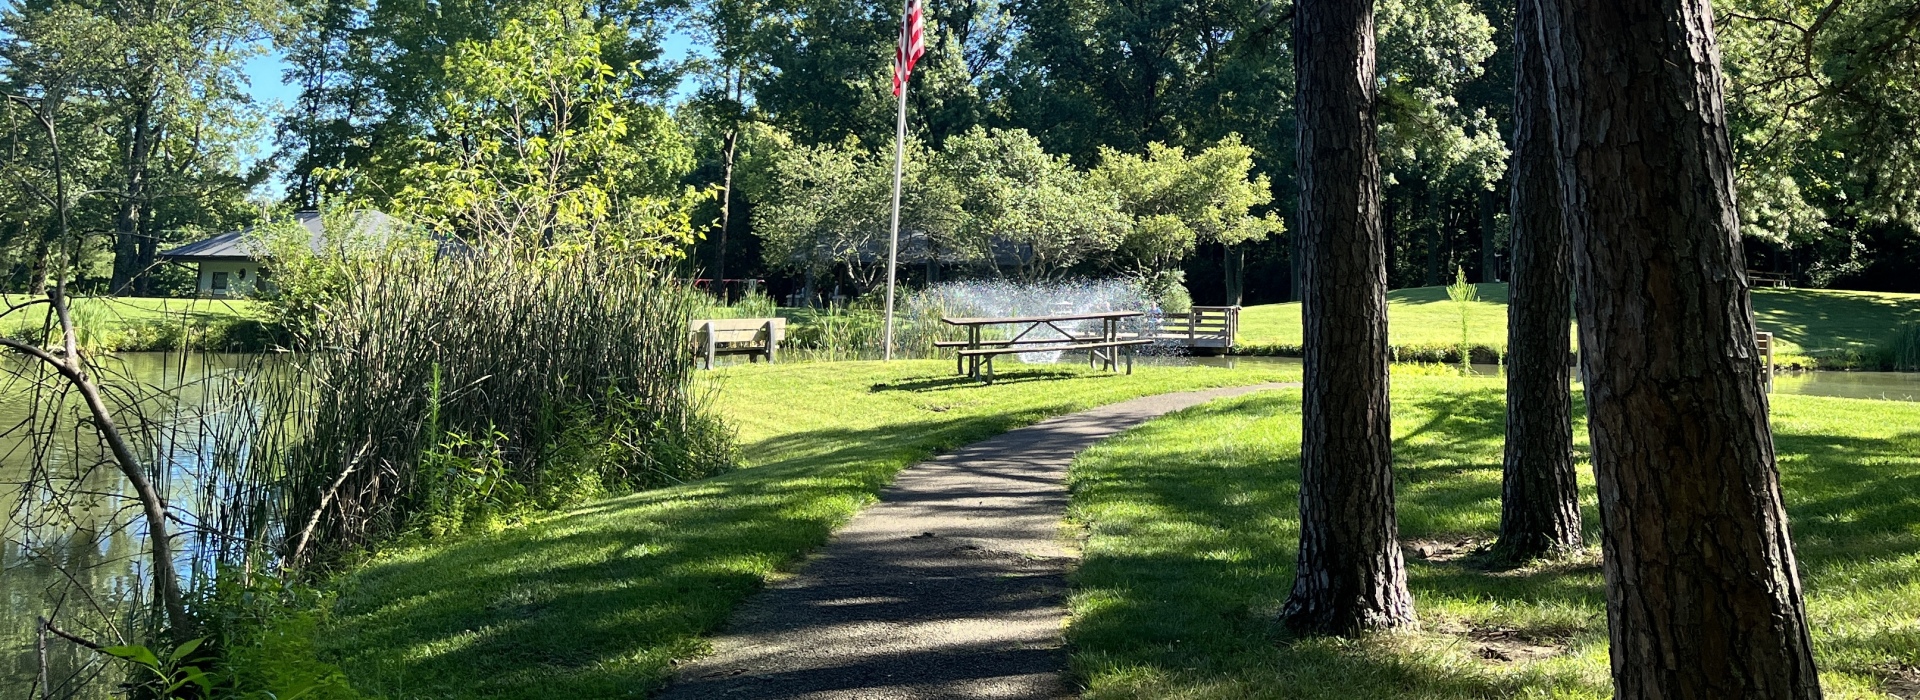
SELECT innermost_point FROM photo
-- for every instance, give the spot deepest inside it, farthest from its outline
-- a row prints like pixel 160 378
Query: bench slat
pixel 983 343
pixel 1081 346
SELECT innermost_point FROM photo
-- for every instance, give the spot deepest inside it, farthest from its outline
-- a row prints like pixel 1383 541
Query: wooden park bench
pixel 1777 280
pixel 753 337
pixel 1105 348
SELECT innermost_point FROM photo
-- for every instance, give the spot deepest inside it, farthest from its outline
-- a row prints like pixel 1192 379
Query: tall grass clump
pixel 1903 349
pixel 448 389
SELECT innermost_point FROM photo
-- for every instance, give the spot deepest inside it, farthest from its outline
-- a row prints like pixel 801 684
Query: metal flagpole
pixel 899 162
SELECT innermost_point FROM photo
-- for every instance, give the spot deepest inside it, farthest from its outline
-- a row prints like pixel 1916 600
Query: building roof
pixel 235 246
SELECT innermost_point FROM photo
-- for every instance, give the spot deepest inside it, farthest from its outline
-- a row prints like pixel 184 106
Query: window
pixel 219 281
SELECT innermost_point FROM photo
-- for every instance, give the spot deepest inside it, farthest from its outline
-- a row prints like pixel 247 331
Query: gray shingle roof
pixel 238 245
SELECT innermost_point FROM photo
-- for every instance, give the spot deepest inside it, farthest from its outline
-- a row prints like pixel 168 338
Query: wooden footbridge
pixel 1203 330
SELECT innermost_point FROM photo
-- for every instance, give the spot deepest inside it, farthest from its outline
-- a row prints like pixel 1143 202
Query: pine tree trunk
pixel 1703 596
pixel 1350 577
pixel 1540 497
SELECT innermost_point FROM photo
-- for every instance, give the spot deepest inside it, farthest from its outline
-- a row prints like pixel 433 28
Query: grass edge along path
pixel 600 601
pixel 1191 524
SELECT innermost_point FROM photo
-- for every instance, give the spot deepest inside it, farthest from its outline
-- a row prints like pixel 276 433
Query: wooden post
pixel 710 345
pixel 773 344
pixel 1764 341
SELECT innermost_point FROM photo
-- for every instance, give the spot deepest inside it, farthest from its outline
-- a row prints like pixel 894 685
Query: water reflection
pixel 72 542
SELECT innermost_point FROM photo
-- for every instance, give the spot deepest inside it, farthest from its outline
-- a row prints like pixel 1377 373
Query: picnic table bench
pixel 1105 348
pixel 753 337
pixel 1777 280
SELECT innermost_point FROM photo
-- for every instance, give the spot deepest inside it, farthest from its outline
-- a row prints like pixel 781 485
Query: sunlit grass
pixel 1192 530
pixel 1807 322
pixel 600 601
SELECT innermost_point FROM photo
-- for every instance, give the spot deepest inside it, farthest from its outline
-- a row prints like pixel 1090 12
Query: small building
pixel 228 264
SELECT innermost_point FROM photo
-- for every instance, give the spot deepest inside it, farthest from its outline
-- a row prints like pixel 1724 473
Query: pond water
pixel 1888 386
pixel 81 559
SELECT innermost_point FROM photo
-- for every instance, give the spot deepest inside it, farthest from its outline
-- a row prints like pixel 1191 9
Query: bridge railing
pixel 1203 326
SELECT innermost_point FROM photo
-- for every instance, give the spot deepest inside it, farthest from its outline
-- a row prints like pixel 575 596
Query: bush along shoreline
pixel 433 398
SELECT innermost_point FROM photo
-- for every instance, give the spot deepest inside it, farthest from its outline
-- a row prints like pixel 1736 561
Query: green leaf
pixel 181 652
pixel 135 653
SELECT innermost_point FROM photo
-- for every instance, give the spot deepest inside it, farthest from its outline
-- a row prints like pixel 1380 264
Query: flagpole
pixel 899 162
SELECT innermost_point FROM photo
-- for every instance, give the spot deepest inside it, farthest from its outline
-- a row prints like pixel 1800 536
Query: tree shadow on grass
pixel 599 602
pixel 1820 319
pixel 1192 555
pixel 1850 502
pixel 1017 376
pixel 1193 547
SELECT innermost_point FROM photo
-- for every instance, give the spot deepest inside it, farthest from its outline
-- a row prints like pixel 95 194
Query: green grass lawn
pixel 136 323
pixel 1813 325
pixel 599 601
pixel 1192 527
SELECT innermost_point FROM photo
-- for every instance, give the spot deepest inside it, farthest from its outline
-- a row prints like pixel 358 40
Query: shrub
pixel 444 392
pixel 1901 353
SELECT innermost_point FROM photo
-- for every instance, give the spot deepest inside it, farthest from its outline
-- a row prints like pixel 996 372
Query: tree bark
pixel 148 252
pixel 1703 596
pixel 726 213
pixel 1350 576
pixel 126 221
pixel 1540 497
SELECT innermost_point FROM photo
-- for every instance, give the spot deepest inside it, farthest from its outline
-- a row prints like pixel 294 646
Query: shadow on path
pixel 952 586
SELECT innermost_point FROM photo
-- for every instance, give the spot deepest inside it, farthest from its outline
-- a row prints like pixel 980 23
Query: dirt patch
pixel 1445 550
pixel 1507 645
pixel 1901 681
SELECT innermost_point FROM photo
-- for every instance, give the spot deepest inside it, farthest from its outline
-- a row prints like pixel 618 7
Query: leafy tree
pixel 373 73
pixel 1825 112
pixel 825 207
pixel 1177 202
pixel 723 103
pixel 154 121
pixel 1439 154
pixel 1011 192
pixel 535 139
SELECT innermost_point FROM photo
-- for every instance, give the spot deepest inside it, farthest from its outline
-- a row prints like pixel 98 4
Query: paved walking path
pixel 952 586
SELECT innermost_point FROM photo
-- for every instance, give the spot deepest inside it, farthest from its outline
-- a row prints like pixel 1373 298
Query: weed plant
pixel 445 391
pixel 1463 294
pixel 1902 352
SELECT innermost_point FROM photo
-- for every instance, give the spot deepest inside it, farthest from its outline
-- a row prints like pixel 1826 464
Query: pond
pixel 82 559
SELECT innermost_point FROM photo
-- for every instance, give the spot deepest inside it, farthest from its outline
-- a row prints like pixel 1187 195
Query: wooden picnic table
pixel 976 353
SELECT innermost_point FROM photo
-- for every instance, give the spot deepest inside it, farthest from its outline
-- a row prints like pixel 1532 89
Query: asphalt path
pixel 952 586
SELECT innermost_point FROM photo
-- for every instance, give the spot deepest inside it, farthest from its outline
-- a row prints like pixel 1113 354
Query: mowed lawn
pixel 1809 322
pixel 1192 526
pixel 137 309
pixel 599 601
pixel 110 319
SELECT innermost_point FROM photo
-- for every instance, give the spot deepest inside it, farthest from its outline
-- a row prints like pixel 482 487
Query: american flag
pixel 913 45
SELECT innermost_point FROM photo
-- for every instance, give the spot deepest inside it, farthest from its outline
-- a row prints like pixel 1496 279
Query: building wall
pixel 227 279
